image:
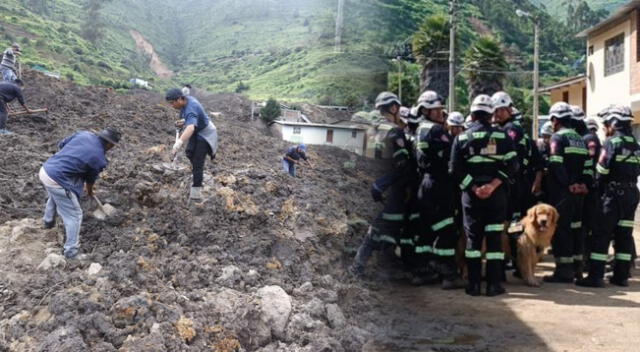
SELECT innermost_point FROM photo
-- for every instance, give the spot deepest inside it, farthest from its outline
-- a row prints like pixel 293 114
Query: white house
pixel 347 137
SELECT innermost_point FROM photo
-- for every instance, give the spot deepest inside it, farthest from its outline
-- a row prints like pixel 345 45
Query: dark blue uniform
pixel 591 200
pixel 480 155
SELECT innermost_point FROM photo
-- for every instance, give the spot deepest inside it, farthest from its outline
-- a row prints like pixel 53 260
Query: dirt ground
pixel 260 266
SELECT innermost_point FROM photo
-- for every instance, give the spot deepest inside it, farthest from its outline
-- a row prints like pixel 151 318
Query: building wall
pixel 613 89
pixel 342 138
pixel 575 96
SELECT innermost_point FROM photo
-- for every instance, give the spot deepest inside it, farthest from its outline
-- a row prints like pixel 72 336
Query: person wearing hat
pixel 8 93
pixel 437 242
pixel 546 131
pixel 9 63
pixel 70 173
pixel 568 180
pixel 455 123
pixel 198 132
pixel 293 157
pixel 618 169
pixel 483 161
pixel 387 228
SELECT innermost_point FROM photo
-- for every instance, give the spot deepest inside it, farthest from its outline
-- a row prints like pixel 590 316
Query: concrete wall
pixel 342 138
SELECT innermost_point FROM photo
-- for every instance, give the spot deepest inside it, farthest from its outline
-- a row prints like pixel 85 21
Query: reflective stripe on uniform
pixel 578 257
pixel 424 249
pixel 392 217
pixel 588 172
pixel 477 159
pixel 495 255
pixel 556 159
pixel 576 224
pixel 445 252
pixel 466 182
pixel 463 137
pixel 423 145
pixel 510 155
pixel 575 150
pixel 472 254
pixel 588 163
pixel 414 216
pixel 494 227
pixel 498 135
pixel 479 135
pixel 564 260
pixel 627 159
pixel 623 256
pixel 625 223
pixel 442 224
pixel 406 241
pixel 602 169
pixel 503 174
pixel 401 151
pixel 598 256
pixel 385 238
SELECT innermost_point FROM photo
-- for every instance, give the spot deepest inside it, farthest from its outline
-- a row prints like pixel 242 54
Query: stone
pixel 185 329
pixel 303 289
pixel 315 308
pixel 275 306
pixel 335 316
pixel 230 277
pixel 251 277
pixel 130 310
pixel 94 269
pixel 52 261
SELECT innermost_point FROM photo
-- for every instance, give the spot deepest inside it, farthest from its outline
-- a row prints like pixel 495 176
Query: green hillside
pixel 558 8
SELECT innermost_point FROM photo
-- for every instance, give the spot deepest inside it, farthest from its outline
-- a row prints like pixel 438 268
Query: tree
pixel 93 26
pixel 431 38
pixel 271 111
pixel 485 66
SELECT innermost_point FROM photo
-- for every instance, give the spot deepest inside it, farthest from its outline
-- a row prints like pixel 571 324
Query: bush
pixel 78 50
pixel 241 87
pixel 70 76
pixel 271 111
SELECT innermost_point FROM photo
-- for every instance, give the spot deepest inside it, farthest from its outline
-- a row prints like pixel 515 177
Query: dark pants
pixel 4 114
pixel 568 242
pixel 411 230
pixel 616 222
pixel 484 219
pixel 197 156
pixel 591 211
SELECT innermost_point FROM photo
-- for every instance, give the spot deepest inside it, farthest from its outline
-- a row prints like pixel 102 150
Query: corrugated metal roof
pixel 616 15
pixel 564 83
pixel 321 125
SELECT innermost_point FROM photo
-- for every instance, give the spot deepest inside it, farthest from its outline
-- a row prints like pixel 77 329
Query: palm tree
pixel 431 38
pixel 485 66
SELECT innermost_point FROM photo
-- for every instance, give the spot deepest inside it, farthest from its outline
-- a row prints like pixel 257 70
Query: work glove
pixel 176 148
pixel 376 194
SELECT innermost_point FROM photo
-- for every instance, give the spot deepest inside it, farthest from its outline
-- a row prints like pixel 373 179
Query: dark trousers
pixel 197 156
pixel 484 219
pixel 616 222
pixel 568 242
pixel 591 212
pixel 4 114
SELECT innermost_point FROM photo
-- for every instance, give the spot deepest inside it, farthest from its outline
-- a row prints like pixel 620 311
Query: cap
pixel 173 94
pixel 110 135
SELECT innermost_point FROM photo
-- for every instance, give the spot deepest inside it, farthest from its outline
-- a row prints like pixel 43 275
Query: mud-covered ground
pixel 260 266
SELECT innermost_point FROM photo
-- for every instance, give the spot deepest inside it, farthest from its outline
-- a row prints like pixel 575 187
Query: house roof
pixel 319 125
pixel 564 83
pixel 616 15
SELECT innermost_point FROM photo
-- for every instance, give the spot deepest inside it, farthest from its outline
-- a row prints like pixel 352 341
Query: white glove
pixel 177 146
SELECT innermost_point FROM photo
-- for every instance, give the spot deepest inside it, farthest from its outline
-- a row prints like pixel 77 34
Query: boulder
pixel 230 277
pixel 52 261
pixel 335 316
pixel 275 307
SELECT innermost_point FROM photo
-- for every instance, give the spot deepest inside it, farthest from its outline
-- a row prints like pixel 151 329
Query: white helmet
pixel 455 119
pixel 501 100
pixel 405 112
pixel 577 113
pixel 591 123
pixel 482 103
pixel 560 110
pixel 620 113
pixel 430 100
pixel 516 114
pixel 467 122
pixel 386 98
pixel 547 129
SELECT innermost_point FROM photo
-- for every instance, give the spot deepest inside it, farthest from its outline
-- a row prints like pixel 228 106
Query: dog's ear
pixel 531 216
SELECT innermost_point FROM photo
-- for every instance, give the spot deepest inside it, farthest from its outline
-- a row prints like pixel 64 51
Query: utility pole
pixel 339 25
pixel 400 74
pixel 536 77
pixel 452 52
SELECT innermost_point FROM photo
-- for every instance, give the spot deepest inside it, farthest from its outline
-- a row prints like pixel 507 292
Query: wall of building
pixel 575 96
pixel 613 89
pixel 342 138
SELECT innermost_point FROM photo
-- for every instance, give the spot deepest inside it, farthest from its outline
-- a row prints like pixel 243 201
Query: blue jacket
pixel 194 114
pixel 81 159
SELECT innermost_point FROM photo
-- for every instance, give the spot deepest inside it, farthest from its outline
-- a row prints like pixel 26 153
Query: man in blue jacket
pixel 293 157
pixel 74 169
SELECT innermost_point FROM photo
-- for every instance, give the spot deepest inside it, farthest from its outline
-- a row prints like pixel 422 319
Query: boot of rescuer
pixel 195 194
pixel 596 273
pixel 451 279
pixel 494 278
pixel 563 274
pixel 621 273
pixel 474 269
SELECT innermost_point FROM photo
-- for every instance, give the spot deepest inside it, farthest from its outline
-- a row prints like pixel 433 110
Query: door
pixel 329 136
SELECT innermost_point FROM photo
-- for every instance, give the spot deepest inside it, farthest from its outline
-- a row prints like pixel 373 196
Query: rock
pixel 94 269
pixel 52 261
pixel 335 316
pixel 230 277
pixel 327 296
pixel 185 329
pixel 302 326
pixel 303 289
pixel 130 310
pixel 64 338
pixel 275 306
pixel 251 277
pixel 327 281
pixel 315 308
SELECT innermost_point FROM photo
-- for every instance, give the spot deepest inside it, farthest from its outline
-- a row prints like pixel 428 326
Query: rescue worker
pixel 568 182
pixel 9 63
pixel 72 171
pixel 293 157
pixel 483 160
pixel 455 124
pixel 523 185
pixel 387 227
pixel 8 93
pixel 468 122
pixel 199 133
pixel 437 243
pixel 618 169
pixel 546 131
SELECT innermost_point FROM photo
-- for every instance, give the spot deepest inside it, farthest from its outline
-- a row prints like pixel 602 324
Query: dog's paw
pixel 533 282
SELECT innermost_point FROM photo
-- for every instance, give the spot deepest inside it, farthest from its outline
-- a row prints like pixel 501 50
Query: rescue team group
pixel 480 177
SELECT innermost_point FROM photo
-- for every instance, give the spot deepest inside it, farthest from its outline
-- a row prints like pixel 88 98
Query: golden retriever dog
pixel 539 227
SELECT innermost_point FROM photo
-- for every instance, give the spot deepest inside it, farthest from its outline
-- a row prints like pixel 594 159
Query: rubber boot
pixel 451 279
pixel 196 194
pixel 474 268
pixel 596 273
pixel 563 274
pixel 494 278
pixel 578 269
pixel 621 273
pixel 426 274
pixel 363 254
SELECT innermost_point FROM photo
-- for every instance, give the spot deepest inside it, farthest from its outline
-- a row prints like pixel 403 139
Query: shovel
pixel 103 211
pixel 33 111
pixel 173 165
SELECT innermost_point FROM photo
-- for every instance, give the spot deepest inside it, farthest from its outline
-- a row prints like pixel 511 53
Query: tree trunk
pixel 435 76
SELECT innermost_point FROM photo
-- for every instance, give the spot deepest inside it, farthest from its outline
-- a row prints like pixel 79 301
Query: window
pixel 296 130
pixel 565 96
pixel 354 134
pixel 590 50
pixel 614 55
pixel 329 136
